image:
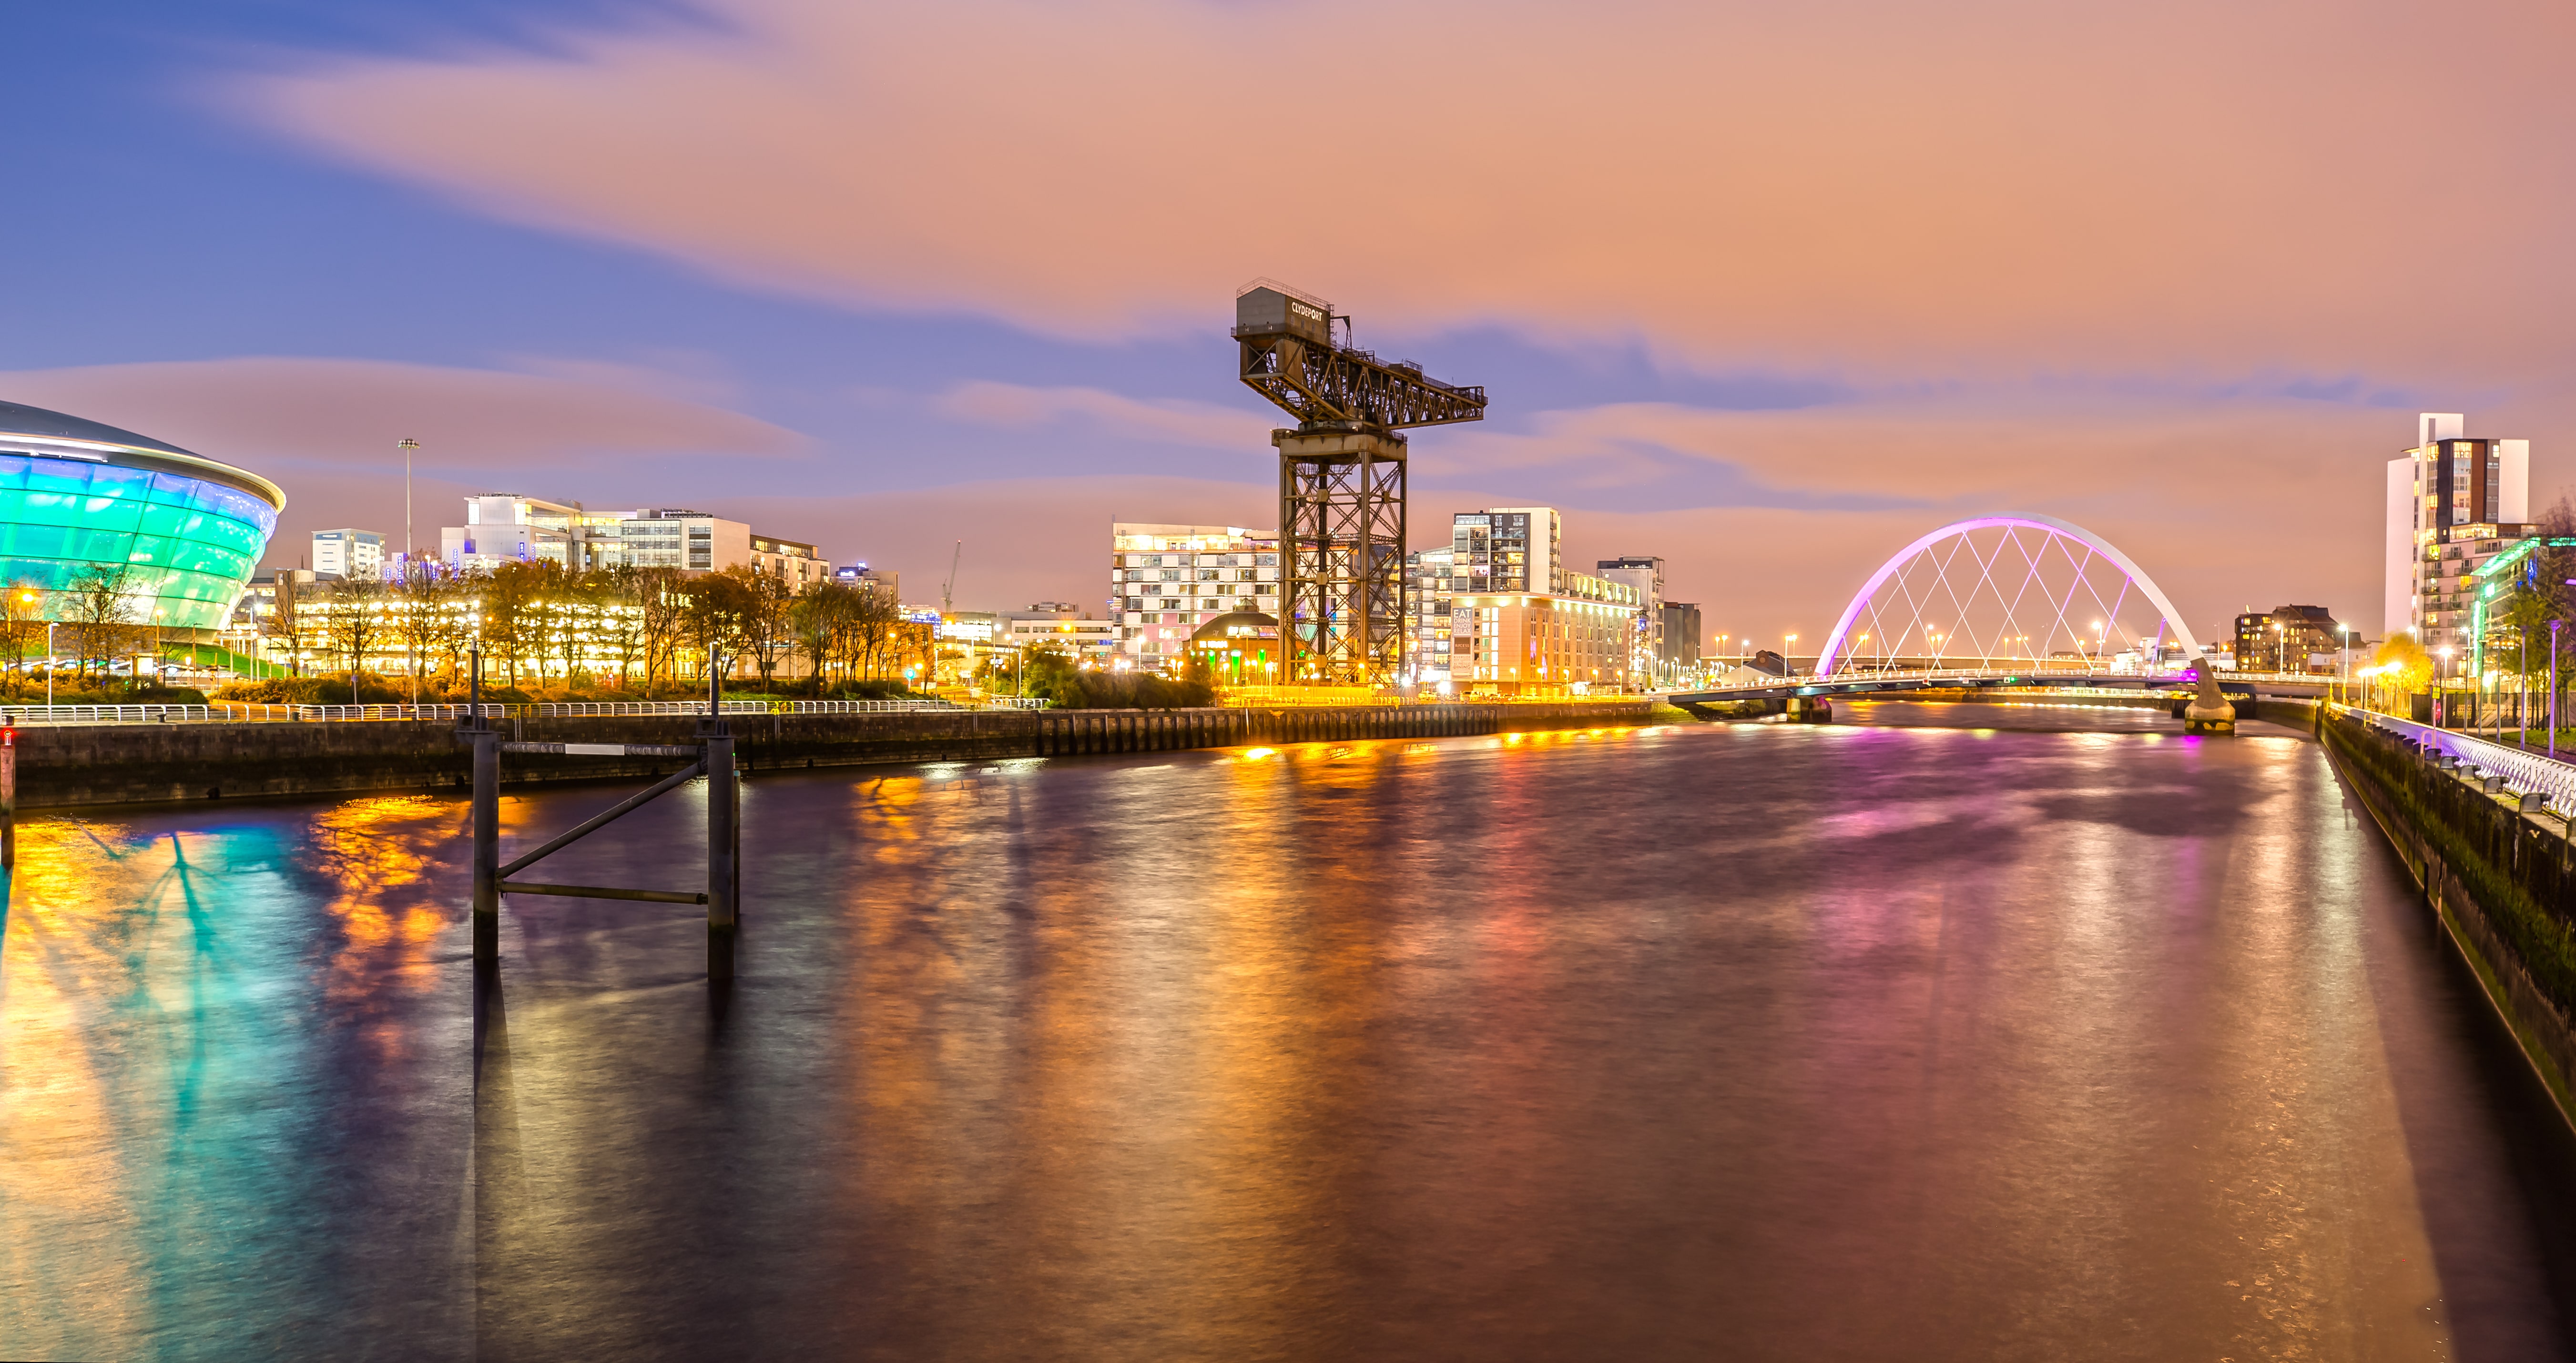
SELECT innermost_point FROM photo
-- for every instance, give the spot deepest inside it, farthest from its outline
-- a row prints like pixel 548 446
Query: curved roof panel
pixel 39 425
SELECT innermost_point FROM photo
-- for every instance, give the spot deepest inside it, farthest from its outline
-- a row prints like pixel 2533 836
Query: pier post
pixel 721 847
pixel 9 798
pixel 485 815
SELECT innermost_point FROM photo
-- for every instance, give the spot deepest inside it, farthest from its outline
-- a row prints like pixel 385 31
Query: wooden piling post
pixel 485 815
pixel 720 858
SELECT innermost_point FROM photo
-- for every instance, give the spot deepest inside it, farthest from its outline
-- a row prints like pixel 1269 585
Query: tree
pixel 761 603
pixel 714 617
pixel 284 625
pixel 661 601
pixel 354 623
pixel 619 625
pixel 99 609
pixel 423 605
pixel 2404 664
pixel 22 617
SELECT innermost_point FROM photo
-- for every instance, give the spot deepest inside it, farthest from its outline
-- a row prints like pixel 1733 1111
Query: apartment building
pixel 1571 642
pixel 1167 580
pixel 2454 501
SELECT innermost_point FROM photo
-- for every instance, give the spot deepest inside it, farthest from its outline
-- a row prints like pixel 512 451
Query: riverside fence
pixel 111 763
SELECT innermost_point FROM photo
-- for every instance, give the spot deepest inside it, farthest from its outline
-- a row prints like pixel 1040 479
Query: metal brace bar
pixel 604 892
pixel 601 749
pixel 593 825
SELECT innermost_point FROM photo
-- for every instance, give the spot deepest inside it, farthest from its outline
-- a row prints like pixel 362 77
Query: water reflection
pixel 1740 1041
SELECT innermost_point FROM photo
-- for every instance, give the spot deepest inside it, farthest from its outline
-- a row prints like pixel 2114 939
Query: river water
pixel 1946 1033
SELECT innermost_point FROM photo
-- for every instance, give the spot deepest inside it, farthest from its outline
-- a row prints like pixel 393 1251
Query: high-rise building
pixel 349 553
pixel 1427 594
pixel 1679 657
pixel 1167 580
pixel 2454 501
pixel 1508 549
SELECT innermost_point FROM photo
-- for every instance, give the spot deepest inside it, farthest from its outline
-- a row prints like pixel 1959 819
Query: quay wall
pixel 2503 882
pixel 109 764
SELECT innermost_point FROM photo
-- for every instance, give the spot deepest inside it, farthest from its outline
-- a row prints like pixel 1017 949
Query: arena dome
pixel 75 494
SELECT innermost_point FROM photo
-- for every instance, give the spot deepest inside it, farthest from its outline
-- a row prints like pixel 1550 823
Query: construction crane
pixel 1341 479
pixel 948 589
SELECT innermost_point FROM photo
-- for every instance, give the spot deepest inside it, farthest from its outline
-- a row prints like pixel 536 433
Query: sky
pixel 1765 290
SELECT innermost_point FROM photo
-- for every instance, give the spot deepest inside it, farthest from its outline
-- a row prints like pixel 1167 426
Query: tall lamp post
pixel 411 642
pixel 2553 687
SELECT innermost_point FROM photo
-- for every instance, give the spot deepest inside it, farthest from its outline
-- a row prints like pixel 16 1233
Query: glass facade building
pixel 74 495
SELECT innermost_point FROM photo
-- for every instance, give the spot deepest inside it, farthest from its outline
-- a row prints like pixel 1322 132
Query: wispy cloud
pixel 1880 186
pixel 1176 421
pixel 331 413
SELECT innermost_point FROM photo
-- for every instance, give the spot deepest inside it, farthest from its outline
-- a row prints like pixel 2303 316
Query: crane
pixel 1341 478
pixel 948 589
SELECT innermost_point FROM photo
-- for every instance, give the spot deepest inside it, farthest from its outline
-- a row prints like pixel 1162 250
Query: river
pixel 1970 1032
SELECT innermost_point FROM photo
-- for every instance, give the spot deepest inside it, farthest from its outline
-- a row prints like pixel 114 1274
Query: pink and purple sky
pixel 1764 289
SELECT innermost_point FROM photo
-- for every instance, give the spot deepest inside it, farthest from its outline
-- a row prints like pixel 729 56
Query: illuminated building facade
pixel 1167 580
pixel 1574 642
pixel 77 496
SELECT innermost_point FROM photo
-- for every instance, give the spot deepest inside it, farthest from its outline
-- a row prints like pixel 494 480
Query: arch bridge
pixel 2001 601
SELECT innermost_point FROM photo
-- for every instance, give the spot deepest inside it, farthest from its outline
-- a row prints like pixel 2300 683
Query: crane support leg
pixel 1341 555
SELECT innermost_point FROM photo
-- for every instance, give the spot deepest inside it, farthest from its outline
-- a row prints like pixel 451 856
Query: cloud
pixel 327 414
pixel 1882 187
pixel 1175 420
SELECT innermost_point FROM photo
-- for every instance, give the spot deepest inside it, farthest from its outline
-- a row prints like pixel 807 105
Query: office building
pixel 508 528
pixel 1167 580
pixel 348 553
pixel 2453 502
pixel 77 496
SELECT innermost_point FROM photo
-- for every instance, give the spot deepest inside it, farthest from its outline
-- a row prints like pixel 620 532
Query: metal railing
pixel 2523 772
pixel 104 714
pixel 257 713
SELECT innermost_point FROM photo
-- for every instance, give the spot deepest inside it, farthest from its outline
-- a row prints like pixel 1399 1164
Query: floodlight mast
pixel 1341 480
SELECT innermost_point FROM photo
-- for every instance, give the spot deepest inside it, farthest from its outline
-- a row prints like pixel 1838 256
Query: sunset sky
pixel 1765 289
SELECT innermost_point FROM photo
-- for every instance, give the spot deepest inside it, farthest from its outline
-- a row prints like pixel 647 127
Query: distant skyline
pixel 1763 291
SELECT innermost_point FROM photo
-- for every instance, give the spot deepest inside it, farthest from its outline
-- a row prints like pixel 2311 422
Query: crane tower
pixel 1341 479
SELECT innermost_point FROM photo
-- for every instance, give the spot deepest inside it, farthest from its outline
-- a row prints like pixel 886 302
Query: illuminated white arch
pixel 2155 595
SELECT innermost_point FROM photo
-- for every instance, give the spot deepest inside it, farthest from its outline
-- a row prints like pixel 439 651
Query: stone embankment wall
pixel 2501 879
pixel 128 763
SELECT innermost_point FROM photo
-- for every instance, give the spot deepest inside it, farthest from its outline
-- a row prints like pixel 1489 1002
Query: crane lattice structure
pixel 1341 479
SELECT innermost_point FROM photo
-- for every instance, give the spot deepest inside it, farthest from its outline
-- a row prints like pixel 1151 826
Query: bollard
pixel 486 818
pixel 720 854
pixel 9 798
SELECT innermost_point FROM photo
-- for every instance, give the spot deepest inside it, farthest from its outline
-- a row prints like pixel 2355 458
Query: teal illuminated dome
pixel 75 493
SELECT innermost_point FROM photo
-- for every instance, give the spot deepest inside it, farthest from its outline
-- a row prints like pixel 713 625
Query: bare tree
pixel 355 623
pixel 99 609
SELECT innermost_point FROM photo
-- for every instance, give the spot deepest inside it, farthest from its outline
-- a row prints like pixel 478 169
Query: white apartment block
pixel 507 528
pixel 349 553
pixel 2454 501
pixel 1167 580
